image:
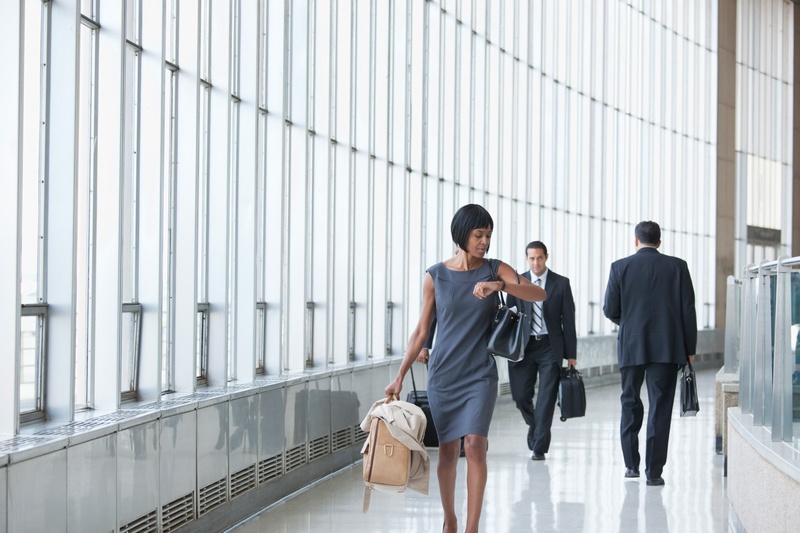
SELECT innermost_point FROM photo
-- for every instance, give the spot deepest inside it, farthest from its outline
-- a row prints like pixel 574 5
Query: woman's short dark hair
pixel 648 232
pixel 466 219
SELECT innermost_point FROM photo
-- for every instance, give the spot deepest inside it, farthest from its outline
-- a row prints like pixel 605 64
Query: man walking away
pixel 651 297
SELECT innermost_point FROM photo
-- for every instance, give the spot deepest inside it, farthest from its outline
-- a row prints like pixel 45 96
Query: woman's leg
pixel 475 446
pixel 446 472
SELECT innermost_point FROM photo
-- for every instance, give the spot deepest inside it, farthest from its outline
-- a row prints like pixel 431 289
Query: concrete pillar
pixel 726 155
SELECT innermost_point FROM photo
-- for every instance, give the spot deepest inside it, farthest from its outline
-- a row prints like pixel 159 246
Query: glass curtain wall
pixel 288 181
pixel 764 109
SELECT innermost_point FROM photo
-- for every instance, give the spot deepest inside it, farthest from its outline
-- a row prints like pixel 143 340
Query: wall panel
pixel 91 477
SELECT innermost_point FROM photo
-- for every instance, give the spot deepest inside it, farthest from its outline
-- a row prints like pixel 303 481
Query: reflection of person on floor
pixel 651 297
pixel 462 377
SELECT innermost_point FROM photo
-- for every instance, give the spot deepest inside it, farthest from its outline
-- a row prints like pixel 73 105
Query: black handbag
pixel 507 337
pixel 690 405
pixel 571 394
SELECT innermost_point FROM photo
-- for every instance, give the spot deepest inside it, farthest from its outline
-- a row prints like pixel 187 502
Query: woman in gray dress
pixel 462 376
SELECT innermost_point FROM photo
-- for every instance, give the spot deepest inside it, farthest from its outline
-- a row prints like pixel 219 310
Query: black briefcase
pixel 571 394
pixel 420 399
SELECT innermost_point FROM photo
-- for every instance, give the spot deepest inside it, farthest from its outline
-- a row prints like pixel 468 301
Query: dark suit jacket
pixel 558 311
pixel 650 295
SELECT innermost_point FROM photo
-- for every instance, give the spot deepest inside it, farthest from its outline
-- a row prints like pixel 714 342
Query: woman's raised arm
pixel 519 286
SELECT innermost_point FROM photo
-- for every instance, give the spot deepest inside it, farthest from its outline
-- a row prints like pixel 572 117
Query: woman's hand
pixel 423 356
pixel 485 288
pixel 394 388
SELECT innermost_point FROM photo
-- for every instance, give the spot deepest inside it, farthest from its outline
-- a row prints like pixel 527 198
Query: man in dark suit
pixel 651 297
pixel 552 338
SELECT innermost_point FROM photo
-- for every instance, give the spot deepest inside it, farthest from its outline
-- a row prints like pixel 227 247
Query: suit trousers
pixel 661 380
pixel 539 362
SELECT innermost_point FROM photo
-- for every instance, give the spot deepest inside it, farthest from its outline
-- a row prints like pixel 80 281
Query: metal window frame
pixel 201 351
pixel 40 311
pixel 169 188
pixel 261 337
pixel 132 393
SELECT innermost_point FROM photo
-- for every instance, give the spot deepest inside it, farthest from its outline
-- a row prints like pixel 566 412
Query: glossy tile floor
pixel 579 487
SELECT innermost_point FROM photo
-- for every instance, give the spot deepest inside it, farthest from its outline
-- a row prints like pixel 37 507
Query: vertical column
pixel 796 136
pixel 295 195
pixel 218 192
pixel 151 174
pixel 245 298
pixel 186 204
pixel 60 226
pixel 726 155
pixel 111 52
pixel 10 151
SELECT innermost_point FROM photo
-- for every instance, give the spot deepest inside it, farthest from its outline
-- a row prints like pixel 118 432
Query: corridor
pixel 579 487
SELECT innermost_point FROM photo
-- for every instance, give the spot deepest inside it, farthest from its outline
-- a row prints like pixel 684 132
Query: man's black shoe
pixel 631 472
pixel 655 481
pixel 537 456
pixel 530 438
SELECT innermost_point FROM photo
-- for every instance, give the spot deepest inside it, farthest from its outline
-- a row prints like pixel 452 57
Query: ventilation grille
pixel 319 448
pixel 243 480
pixel 270 468
pixel 177 513
pixel 144 524
pixel 85 425
pixel 342 439
pixel 359 435
pixel 504 388
pixel 21 442
pixel 212 496
pixel 295 458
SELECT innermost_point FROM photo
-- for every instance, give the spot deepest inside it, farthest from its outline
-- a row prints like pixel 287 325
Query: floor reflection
pixel 580 487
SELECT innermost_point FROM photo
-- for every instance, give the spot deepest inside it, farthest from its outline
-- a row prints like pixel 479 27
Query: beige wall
pixel 796 139
pixel 726 153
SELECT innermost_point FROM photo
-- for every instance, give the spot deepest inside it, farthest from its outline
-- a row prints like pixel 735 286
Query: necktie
pixel 537 312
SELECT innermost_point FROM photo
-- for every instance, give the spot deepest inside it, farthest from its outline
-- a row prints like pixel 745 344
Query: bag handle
pixel 413 383
pixel 500 293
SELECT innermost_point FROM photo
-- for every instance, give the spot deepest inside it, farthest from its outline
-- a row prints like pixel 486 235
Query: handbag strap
pixel 500 293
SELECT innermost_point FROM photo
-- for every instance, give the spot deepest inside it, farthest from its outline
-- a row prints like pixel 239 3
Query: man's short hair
pixel 648 232
pixel 536 244
pixel 466 219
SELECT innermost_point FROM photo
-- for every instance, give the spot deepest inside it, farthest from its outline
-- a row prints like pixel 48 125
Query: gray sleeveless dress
pixel 462 376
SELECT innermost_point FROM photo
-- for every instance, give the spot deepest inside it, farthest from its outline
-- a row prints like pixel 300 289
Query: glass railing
pixel 763 341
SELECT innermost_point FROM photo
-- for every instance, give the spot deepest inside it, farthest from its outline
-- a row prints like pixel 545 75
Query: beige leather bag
pixel 387 461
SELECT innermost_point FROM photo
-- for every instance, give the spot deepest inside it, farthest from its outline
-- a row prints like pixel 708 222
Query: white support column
pixel 277 234
pixel 245 297
pixel 151 174
pixel 186 202
pixel 110 125
pixel 61 176
pixel 294 185
pixel 10 152
pixel 218 193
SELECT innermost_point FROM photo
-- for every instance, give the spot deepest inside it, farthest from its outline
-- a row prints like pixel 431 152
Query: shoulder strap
pixel 494 264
